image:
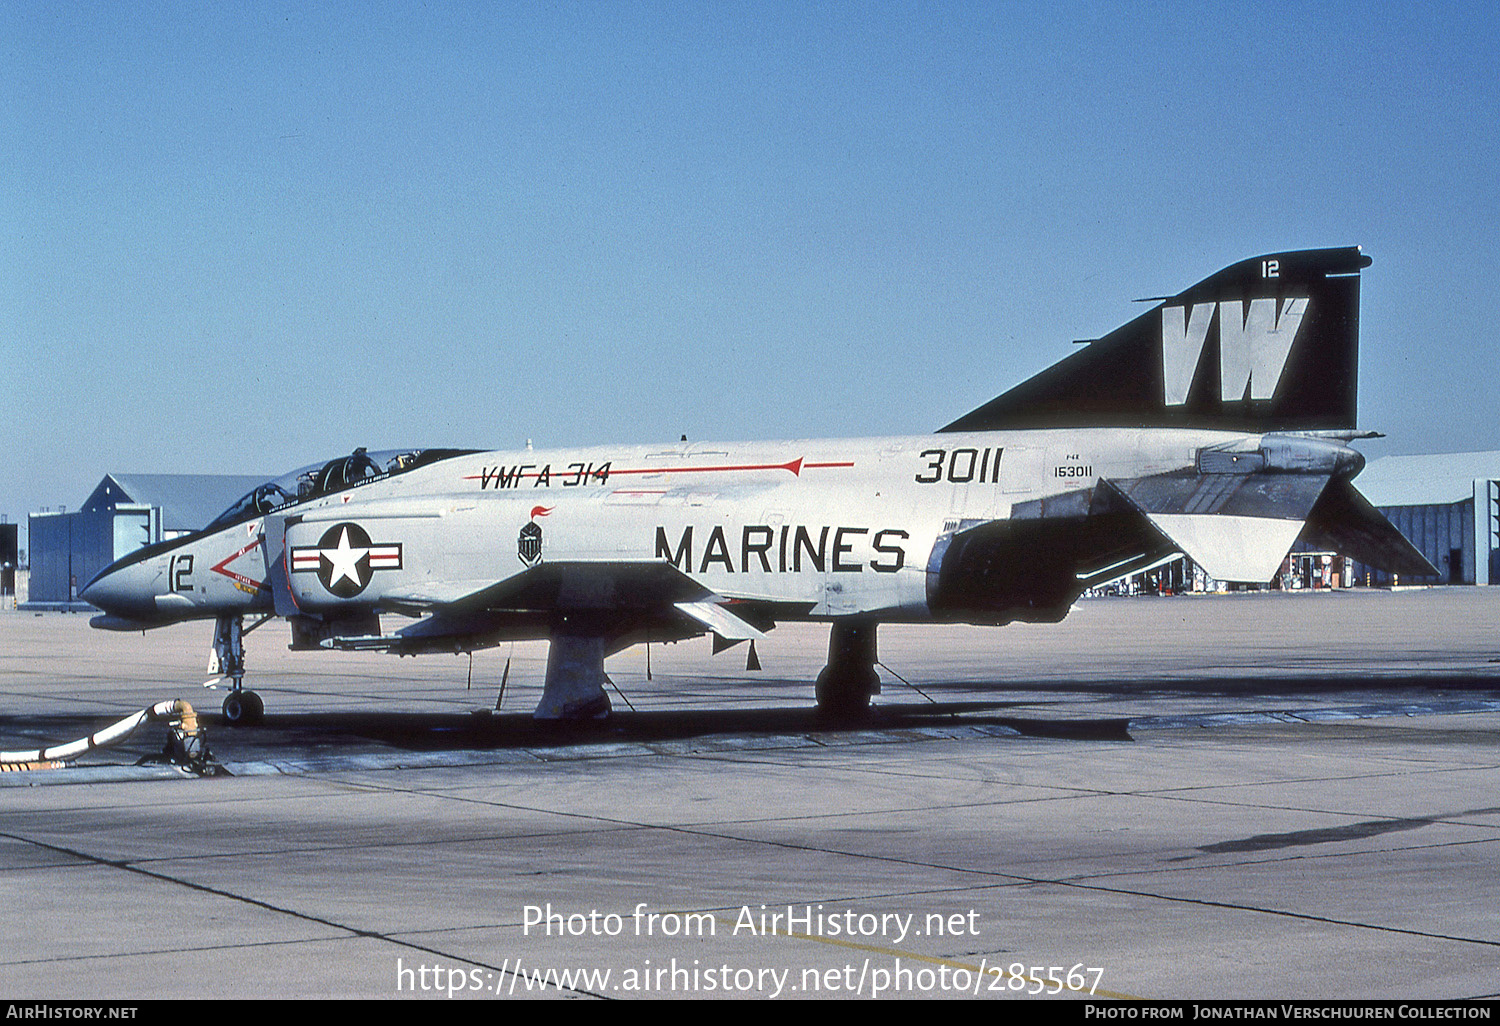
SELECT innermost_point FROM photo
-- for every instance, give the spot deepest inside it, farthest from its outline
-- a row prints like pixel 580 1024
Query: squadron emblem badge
pixel 529 544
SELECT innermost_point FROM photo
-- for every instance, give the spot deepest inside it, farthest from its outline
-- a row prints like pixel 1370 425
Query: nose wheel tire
pixel 243 708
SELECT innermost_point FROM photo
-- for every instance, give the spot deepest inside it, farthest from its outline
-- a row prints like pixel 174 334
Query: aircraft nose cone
pixel 125 592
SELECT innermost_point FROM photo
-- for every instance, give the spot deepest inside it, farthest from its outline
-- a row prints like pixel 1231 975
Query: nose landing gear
pixel 241 708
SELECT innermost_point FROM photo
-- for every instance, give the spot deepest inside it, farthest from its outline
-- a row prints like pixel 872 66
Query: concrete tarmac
pixel 1240 796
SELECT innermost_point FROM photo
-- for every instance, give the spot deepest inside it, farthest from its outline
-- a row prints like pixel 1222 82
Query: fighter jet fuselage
pixel 819 528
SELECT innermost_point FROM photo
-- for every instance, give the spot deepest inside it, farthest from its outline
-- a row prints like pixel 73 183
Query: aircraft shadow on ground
pixel 436 732
pixel 962 704
pixel 1269 685
pixel 439 732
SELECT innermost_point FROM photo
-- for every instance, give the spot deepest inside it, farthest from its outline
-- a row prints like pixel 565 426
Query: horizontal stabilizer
pixel 1231 548
pixel 1345 522
pixel 1238 527
pixel 1278 496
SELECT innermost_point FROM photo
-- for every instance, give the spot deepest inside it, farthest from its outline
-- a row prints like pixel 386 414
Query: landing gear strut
pixel 574 689
pixel 241 708
pixel 847 683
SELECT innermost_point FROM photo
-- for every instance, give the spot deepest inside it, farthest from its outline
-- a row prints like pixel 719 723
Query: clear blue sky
pixel 238 238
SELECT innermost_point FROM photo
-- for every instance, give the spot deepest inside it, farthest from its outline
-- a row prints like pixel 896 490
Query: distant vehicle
pixel 1216 425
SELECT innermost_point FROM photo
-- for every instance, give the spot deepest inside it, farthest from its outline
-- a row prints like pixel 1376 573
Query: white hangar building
pixel 1447 505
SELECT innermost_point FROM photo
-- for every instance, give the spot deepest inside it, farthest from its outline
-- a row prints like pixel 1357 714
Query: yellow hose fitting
pixel 187 748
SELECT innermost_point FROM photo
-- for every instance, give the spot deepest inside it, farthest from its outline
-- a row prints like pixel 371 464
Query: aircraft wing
pixel 572 585
pixel 620 599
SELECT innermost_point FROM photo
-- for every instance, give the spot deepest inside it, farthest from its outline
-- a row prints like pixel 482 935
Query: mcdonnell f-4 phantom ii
pixel 1215 425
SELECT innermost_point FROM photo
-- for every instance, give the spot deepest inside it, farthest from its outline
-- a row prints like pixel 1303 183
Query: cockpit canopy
pixel 318 479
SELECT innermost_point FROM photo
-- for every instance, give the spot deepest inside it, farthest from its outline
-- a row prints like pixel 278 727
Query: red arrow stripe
pixel 241 578
pixel 795 466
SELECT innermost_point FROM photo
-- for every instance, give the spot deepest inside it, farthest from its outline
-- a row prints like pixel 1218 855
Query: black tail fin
pixel 1270 343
